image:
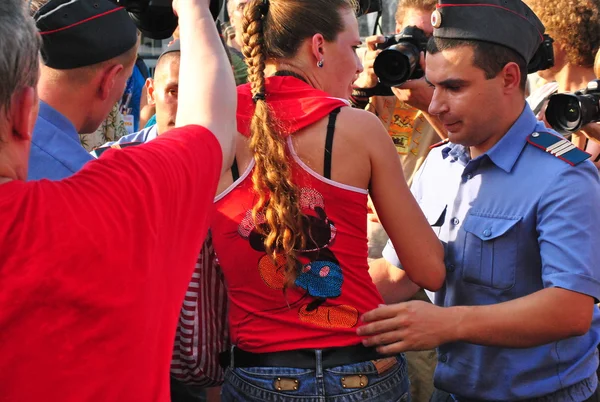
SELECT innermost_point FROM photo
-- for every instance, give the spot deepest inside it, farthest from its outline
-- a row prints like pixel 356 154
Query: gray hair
pixel 19 51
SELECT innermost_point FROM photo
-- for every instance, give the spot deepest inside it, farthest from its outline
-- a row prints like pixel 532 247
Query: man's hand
pixel 368 79
pixel 416 93
pixel 413 325
pixel 592 131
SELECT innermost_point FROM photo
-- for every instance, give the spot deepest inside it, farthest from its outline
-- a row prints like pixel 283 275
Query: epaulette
pixel 559 147
pixel 100 150
pixel 439 144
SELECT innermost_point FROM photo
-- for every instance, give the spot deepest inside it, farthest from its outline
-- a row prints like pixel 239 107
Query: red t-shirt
pixel 94 268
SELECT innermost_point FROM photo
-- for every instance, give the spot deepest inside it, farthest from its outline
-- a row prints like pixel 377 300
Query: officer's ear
pixel 511 77
pixel 108 80
pixel 23 112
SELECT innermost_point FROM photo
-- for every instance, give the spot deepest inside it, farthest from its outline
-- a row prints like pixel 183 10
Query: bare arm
pixel 208 99
pixel 417 246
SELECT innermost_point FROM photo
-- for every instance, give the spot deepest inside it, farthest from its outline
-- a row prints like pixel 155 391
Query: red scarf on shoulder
pixel 293 103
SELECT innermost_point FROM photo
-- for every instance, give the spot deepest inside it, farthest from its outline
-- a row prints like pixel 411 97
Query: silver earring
pixel 320 63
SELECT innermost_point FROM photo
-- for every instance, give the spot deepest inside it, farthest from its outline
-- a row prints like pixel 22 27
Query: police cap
pixel 510 23
pixel 79 33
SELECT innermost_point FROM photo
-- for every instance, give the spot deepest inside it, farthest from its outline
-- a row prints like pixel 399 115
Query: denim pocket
pixel 266 383
pixel 381 380
pixel 490 253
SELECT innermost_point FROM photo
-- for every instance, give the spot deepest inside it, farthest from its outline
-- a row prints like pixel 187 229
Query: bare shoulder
pixel 363 127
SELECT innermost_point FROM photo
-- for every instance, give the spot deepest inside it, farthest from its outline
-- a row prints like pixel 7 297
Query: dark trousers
pixel 184 393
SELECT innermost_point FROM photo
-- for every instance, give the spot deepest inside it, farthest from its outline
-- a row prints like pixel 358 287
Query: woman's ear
pixel 318 48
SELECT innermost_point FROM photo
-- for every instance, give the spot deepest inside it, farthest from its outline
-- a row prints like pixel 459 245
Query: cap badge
pixel 436 19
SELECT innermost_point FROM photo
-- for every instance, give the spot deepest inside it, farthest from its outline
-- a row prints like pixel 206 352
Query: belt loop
pixel 231 360
pixel 319 362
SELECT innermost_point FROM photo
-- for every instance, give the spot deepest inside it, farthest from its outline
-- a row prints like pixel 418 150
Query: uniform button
pixel 451 267
pixel 455 221
pixel 443 358
pixel 487 233
pixel 469 176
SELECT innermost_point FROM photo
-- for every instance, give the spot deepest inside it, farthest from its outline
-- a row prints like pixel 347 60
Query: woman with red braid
pixel 291 215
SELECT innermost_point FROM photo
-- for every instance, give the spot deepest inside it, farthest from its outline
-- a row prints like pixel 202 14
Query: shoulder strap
pixel 558 147
pixel 329 143
pixel 235 171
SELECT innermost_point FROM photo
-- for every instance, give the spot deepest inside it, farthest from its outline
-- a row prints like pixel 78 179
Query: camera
pixel 399 60
pixel 567 113
pixel 543 58
pixel 155 18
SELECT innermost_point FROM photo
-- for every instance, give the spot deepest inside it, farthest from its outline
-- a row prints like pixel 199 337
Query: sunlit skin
pixel 163 91
pixel 341 62
pixel 474 110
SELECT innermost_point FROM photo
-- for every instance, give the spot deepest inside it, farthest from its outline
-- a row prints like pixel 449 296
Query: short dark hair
pixel 489 57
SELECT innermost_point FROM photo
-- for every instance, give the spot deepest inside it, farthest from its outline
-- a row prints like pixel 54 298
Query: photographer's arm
pixel 208 96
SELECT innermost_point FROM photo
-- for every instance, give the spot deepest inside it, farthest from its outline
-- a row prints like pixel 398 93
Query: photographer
pixel 405 114
pixel 575 28
pixel 82 319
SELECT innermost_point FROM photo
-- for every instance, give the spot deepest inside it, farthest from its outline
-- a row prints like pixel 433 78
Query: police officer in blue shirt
pixel 89 49
pixel 518 210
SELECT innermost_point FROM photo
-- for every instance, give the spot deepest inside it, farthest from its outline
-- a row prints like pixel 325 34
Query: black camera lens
pixel 571 113
pixel 397 64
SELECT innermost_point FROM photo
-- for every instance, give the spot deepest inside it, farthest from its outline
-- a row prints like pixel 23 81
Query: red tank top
pixel 333 288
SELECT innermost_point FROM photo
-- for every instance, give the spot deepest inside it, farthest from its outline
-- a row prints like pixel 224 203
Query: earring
pixel 320 63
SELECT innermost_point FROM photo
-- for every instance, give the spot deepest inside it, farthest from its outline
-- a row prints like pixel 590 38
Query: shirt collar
pixel 457 153
pixel 55 118
pixel 505 152
pixel 152 133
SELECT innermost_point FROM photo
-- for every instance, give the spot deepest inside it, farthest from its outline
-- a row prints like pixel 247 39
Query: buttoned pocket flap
pixel 490 252
pixel 489 228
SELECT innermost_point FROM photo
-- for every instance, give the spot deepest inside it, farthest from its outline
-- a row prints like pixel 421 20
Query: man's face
pixel 163 91
pixel 237 19
pixel 416 17
pixel 463 99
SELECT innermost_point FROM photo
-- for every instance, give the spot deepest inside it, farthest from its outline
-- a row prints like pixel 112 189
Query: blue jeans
pixel 363 383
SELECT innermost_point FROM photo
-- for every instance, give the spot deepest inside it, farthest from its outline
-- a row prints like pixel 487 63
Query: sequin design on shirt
pixel 320 274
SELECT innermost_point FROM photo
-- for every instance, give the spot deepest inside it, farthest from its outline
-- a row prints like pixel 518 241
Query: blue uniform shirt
pixel 56 152
pixel 513 221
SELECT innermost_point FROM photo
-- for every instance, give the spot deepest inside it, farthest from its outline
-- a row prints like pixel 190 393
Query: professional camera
pixel 155 18
pixel 399 60
pixel 567 113
pixel 543 58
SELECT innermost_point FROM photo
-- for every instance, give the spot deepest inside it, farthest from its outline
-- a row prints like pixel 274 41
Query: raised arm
pixel 207 96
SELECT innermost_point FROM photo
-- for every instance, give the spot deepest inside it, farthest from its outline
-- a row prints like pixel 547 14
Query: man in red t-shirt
pixel 81 319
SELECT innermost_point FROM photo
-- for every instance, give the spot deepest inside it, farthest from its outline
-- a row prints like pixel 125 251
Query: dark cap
pixel 173 47
pixel 79 33
pixel 504 22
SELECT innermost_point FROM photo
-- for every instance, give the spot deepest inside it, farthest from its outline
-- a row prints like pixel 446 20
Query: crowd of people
pixel 314 234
